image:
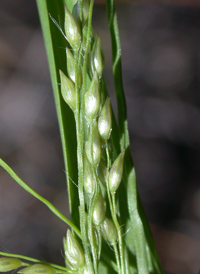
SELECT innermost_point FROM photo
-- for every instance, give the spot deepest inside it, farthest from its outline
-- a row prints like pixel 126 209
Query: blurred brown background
pixel 161 69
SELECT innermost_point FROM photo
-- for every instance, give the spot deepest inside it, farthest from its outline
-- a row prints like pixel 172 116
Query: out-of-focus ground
pixel 161 69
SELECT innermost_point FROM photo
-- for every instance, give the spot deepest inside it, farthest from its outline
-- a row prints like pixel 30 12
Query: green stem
pixel 127 270
pixel 117 258
pixel 85 61
pixel 113 213
pixel 88 41
pixel 39 197
pixel 79 133
pixel 121 246
pixel 80 136
pixel 90 231
pixel 99 242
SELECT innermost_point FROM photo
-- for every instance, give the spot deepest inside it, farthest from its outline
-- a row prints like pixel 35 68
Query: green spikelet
pixel 89 180
pixel 97 60
pixel 86 6
pixel 99 211
pixel 70 65
pixel 68 91
pixel 38 269
pixel 116 173
pixel 109 231
pixel 93 146
pixel 93 98
pixel 8 264
pixel 105 121
pixel 74 252
pixel 72 30
pixel 71 68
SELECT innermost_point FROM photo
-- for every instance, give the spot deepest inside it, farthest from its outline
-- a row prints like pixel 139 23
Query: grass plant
pixel 108 231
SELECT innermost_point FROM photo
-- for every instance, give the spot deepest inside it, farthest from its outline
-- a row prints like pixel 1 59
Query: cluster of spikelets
pixel 101 179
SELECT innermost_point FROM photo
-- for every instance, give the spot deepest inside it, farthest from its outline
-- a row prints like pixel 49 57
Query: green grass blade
pixel 140 227
pixel 55 48
pixel 117 71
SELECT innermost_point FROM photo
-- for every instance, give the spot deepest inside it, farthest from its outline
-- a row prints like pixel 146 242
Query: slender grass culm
pixel 108 229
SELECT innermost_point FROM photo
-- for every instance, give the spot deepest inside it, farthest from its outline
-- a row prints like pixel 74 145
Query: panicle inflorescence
pixel 82 90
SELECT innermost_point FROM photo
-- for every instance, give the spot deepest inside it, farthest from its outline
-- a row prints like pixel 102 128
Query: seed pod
pixel 89 180
pixel 99 210
pixel 38 269
pixel 8 264
pixel 68 91
pixel 97 57
pixel 109 231
pixel 93 98
pixel 93 146
pixel 116 172
pixel 72 30
pixel 105 121
pixel 74 252
pixel 102 170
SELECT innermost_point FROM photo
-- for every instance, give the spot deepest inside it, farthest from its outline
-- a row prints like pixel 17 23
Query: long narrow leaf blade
pixel 55 47
pixel 141 231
